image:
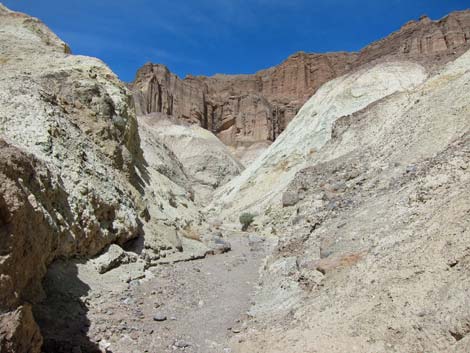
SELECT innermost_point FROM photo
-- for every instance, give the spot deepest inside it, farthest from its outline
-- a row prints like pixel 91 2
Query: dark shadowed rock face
pixel 32 204
pixel 245 109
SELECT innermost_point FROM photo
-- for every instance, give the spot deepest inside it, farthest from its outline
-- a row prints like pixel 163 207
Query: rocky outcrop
pixel 239 109
pixel 265 179
pixel 374 228
pixel 431 43
pixel 69 153
pixel 33 213
pixel 73 113
pixel 19 332
pixel 246 109
pixel 29 191
pixel 73 176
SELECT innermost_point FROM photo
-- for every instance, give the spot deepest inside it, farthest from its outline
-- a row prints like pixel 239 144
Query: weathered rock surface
pixel 19 332
pixel 264 180
pixel 32 223
pixel 187 163
pixel 206 161
pixel 246 109
pixel 73 113
pixel 239 109
pixel 73 175
pixel 373 254
pixel 367 189
pixel 74 190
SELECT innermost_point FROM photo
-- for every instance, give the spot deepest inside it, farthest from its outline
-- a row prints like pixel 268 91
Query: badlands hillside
pixel 120 204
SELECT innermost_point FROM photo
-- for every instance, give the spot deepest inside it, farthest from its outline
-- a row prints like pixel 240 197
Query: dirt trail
pixel 201 304
pixel 203 300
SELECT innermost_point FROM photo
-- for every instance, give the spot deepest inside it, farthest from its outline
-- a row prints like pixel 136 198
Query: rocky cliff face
pixel 69 155
pixel 33 206
pixel 245 109
pixel 431 43
pixel 239 109
pixel 74 178
pixel 263 181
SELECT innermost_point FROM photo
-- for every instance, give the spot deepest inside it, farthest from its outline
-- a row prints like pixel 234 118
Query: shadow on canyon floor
pixel 62 315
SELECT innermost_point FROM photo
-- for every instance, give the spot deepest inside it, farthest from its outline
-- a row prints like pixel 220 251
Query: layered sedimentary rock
pixel 245 109
pixel 431 43
pixel 239 109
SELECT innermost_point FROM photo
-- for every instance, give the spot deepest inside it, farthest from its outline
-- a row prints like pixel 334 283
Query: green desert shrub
pixel 246 219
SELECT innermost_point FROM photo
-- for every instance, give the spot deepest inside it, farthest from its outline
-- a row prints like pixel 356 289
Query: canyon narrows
pixel 121 204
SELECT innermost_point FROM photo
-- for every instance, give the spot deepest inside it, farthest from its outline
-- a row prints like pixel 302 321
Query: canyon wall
pixel 373 229
pixel 246 109
pixel 263 182
pixel 75 177
pixel 70 149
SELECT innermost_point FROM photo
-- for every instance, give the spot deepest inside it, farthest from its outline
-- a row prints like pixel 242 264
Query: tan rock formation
pixel 19 332
pixel 73 178
pixel 246 109
pixel 29 191
pixel 373 229
pixel 68 156
pixel 205 160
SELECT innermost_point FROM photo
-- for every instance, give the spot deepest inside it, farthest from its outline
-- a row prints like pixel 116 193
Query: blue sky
pixel 204 37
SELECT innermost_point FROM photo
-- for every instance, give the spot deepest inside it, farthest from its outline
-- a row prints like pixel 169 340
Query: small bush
pixel 246 219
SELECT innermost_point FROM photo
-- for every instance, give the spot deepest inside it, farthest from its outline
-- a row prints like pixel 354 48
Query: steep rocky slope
pixel 264 181
pixel 373 231
pixel 73 113
pixel 31 198
pixel 246 109
pixel 75 189
pixel 74 178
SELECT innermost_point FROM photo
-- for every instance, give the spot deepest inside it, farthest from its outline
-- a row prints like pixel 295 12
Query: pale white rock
pixel 73 113
pixel 263 181
pixel 206 161
pixel 391 237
